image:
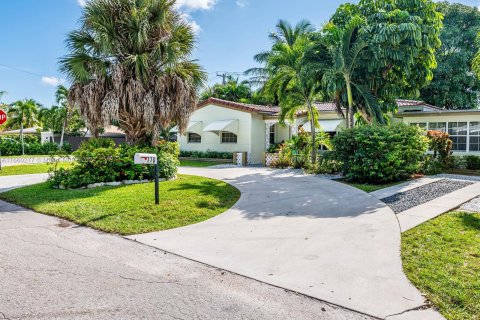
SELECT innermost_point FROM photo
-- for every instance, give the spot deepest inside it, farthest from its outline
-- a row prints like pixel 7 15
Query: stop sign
pixel 3 117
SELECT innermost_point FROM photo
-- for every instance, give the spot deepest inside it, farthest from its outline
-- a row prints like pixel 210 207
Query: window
pixel 422 125
pixel 229 137
pixel 194 138
pixel 475 136
pixel 458 134
pixel 440 126
pixel 272 134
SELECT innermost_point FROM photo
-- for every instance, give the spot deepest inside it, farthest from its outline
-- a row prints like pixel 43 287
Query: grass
pixel 195 163
pixel 367 187
pixel 131 209
pixel 442 258
pixel 30 168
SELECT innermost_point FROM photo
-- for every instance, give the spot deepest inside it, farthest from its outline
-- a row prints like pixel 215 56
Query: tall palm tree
pixel 286 76
pixel 61 97
pixel 345 47
pixel 23 114
pixel 130 62
pixel 232 90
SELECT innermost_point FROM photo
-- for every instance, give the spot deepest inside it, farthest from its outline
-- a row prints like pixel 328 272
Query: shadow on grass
pixel 471 221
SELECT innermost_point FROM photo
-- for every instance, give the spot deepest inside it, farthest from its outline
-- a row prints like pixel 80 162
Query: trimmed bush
pixel 380 154
pixel 13 148
pixel 207 154
pixel 472 162
pixel 114 164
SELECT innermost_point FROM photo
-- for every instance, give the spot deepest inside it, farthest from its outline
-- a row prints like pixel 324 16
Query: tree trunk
pixel 347 117
pixel 63 133
pixel 21 138
pixel 313 133
pixel 350 102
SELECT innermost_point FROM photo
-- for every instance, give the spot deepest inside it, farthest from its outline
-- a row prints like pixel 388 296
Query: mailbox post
pixel 150 159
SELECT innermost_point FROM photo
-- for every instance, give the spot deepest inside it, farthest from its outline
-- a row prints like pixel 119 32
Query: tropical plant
pixel 454 85
pixel 286 76
pixel 52 118
pixel 345 48
pixel 61 97
pixel 23 114
pixel 402 38
pixel 231 90
pixel 130 62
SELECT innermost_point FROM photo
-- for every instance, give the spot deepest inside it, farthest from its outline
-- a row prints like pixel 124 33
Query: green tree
pixel 23 114
pixel 232 90
pixel 287 76
pixel 402 37
pixel 454 85
pixel 345 48
pixel 130 63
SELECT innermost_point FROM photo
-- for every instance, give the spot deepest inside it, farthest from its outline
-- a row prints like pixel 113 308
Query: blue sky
pixel 230 33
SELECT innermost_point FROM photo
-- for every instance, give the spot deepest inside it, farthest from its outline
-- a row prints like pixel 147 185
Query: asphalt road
pixel 51 269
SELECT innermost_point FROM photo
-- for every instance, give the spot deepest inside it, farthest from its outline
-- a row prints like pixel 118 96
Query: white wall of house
pixel 212 141
pixel 258 135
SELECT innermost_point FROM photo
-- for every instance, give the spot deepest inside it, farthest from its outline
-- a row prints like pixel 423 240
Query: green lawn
pixel 370 187
pixel 131 209
pixel 194 163
pixel 30 168
pixel 442 258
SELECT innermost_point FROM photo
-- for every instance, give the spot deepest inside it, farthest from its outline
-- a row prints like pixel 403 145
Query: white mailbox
pixel 145 158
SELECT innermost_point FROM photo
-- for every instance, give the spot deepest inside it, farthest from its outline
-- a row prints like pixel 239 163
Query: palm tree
pixel 232 90
pixel 61 97
pixel 345 47
pixel 23 114
pixel 287 76
pixel 130 62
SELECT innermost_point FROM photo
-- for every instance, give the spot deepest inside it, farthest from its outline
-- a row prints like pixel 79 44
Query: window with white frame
pixel 458 132
pixel 474 136
pixel 229 137
pixel 194 138
pixel 439 126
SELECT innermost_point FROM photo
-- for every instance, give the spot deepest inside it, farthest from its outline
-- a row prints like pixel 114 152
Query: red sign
pixel 3 117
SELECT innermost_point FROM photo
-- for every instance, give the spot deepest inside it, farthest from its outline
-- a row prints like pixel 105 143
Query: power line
pixel 21 70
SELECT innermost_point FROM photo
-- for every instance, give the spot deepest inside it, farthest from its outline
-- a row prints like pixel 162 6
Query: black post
pixel 157 196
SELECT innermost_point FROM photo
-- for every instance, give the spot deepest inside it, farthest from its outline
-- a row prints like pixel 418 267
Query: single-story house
pixel 225 126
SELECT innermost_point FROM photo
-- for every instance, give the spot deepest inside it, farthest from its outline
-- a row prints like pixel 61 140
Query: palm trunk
pixel 21 139
pixel 347 117
pixel 350 102
pixel 63 133
pixel 313 133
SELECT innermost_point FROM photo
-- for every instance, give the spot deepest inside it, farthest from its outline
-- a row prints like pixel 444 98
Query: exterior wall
pixel 212 141
pixel 258 139
pixel 282 133
pixel 451 117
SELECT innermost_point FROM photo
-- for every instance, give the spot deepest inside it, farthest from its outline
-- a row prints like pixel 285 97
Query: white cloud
pixel 242 3
pixel 188 18
pixel 52 81
pixel 83 3
pixel 195 4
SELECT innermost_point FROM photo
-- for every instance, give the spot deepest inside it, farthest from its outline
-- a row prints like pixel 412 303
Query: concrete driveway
pixel 311 235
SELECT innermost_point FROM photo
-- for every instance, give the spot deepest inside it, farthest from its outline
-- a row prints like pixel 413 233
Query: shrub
pixel 380 154
pixel 441 145
pixel 326 164
pixel 96 164
pixel 207 154
pixel 472 162
pixel 283 160
pixel 95 143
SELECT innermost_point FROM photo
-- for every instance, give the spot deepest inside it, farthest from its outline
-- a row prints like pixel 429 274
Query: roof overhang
pixel 437 113
pixel 223 125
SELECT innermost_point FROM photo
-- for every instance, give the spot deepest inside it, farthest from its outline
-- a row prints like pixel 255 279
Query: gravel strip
pixel 405 200
pixel 473 205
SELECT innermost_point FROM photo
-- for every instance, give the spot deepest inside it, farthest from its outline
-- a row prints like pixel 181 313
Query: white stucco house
pixel 225 126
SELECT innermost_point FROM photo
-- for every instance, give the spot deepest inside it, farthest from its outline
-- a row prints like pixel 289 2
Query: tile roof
pixel 321 106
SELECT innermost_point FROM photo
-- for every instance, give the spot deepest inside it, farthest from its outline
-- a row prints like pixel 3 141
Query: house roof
pixel 321 106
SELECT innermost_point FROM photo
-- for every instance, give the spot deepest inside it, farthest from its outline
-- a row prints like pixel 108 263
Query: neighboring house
pixel 26 131
pixel 225 126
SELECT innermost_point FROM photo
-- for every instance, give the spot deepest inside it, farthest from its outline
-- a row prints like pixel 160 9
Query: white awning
pixel 193 127
pixel 325 125
pixel 224 125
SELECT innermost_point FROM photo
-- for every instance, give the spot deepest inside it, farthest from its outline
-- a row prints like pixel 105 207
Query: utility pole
pixel 223 76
